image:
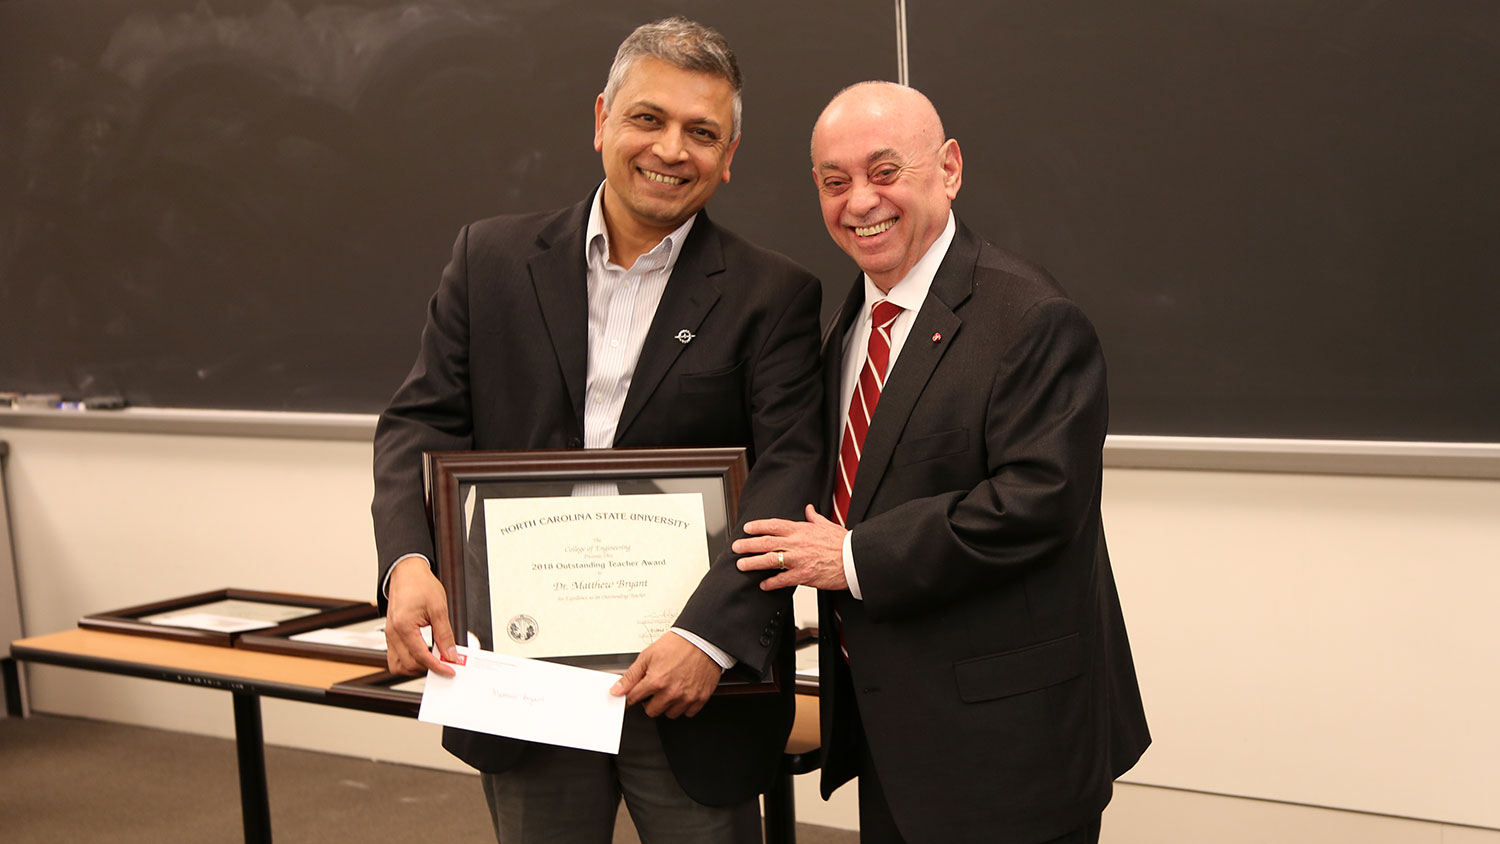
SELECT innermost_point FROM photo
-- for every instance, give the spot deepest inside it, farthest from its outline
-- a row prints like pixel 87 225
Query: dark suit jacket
pixel 988 656
pixel 502 366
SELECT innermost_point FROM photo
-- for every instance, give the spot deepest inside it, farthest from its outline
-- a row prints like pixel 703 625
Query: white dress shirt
pixel 909 293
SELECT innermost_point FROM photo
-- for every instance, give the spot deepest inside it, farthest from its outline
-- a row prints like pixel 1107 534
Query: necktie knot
pixel 884 313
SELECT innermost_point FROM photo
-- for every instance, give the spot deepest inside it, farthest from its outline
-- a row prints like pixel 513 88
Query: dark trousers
pixel 876 826
pixel 560 795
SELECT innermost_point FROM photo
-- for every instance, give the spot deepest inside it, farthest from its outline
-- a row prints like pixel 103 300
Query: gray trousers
pixel 560 795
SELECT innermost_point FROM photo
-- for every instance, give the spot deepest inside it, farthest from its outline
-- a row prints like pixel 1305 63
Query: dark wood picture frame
pixel 277 640
pixel 374 692
pixel 127 620
pixel 448 474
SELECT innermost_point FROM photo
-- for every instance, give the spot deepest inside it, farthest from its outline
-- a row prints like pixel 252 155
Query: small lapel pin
pixel 684 336
pixel 937 336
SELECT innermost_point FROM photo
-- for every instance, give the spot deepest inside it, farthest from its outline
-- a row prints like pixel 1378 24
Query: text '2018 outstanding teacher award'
pixel 586 575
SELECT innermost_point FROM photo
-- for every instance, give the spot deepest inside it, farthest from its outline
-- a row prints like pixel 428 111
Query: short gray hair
pixel 683 44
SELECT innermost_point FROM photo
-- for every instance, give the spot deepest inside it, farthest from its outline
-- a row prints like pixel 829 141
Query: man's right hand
pixel 417 600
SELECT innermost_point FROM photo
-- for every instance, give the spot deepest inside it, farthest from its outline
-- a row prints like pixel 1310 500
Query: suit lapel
pixel 559 274
pixel 931 334
pixel 834 340
pixel 687 299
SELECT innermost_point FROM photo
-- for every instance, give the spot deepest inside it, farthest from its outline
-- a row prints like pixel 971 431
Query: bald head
pixel 886 176
pixel 894 100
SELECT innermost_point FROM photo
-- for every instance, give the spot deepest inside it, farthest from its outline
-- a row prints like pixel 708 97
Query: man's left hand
pixel 673 676
pixel 809 553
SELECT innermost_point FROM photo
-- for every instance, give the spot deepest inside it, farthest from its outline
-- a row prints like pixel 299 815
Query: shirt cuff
pixel 849 573
pixel 716 654
pixel 385 585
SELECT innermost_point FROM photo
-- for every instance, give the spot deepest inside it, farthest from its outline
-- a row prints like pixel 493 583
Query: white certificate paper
pixel 527 699
pixel 585 575
pixel 210 621
pixel 369 635
pixel 230 616
pixel 807 663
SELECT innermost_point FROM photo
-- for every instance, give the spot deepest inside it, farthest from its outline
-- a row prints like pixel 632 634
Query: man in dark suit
pixel 988 692
pixel 629 319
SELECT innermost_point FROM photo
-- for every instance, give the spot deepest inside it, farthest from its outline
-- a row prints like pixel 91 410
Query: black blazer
pixel 502 365
pixel 988 656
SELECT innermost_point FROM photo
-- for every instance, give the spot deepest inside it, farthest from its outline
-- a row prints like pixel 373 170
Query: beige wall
pixel 1301 639
pixel 1318 639
pixel 1149 815
pixel 10 601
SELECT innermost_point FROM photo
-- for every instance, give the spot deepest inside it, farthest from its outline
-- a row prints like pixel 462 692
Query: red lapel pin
pixel 936 336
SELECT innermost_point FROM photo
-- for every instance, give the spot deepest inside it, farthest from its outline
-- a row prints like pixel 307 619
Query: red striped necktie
pixel 862 404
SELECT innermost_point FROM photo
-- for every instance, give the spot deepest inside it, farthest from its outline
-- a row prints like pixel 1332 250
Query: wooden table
pixel 246 675
pixel 249 675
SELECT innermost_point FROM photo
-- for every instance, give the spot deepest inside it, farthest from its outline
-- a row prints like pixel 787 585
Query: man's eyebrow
pixel 705 120
pixel 883 154
pixel 646 104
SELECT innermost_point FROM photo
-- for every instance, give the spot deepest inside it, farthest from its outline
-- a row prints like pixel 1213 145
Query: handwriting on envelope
pixel 527 699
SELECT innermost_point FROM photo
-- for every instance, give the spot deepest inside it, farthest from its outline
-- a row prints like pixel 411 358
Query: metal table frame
pixel 276 676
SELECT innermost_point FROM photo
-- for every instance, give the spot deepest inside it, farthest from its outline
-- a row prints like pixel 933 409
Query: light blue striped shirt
pixel 622 304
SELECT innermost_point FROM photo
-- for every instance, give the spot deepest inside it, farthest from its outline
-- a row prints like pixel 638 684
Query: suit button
pixel 575 442
pixel 765 640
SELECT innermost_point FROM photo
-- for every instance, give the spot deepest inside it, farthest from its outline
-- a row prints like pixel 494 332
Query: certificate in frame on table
pixel 580 556
pixel 355 634
pixel 218 617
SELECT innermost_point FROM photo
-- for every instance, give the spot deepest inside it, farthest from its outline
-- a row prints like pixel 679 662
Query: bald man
pixel 977 678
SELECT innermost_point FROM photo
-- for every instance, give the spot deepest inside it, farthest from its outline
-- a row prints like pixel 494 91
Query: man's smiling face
pixel 885 177
pixel 665 141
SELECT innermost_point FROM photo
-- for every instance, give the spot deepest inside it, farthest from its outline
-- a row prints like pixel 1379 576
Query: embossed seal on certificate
pixel 522 628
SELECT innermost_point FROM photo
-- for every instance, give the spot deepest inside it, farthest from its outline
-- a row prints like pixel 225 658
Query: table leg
pixel 10 677
pixel 781 809
pixel 250 743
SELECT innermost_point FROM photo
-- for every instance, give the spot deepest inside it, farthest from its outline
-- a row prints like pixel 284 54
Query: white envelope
pixel 527 699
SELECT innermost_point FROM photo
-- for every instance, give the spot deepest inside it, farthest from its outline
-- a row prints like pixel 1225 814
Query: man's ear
pixel 729 156
pixel 599 115
pixel 952 162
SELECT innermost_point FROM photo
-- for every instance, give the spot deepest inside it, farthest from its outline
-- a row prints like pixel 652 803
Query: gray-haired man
pixel 562 330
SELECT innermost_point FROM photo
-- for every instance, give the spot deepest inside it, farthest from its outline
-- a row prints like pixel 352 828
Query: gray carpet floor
pixel 67 780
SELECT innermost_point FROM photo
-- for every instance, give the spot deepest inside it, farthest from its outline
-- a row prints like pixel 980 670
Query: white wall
pixel 1315 639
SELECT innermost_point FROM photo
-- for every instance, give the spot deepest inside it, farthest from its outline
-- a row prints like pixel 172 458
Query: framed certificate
pixel 214 618
pixel 354 634
pixel 579 556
